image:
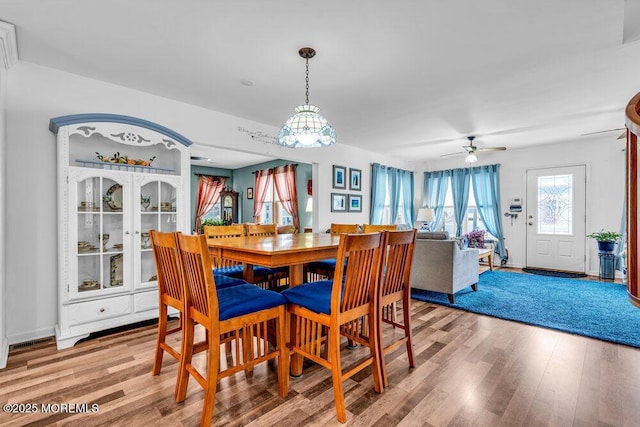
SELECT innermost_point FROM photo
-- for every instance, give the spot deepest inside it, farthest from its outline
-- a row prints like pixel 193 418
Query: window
pixel 386 213
pixel 213 213
pixel 272 210
pixel 555 211
pixel 472 220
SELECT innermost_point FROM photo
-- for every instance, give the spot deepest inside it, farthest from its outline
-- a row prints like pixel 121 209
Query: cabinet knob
pixel 127 233
pixel 102 310
pixel 137 232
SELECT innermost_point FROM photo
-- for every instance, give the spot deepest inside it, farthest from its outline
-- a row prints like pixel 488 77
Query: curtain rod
pixel 212 176
pixel 294 164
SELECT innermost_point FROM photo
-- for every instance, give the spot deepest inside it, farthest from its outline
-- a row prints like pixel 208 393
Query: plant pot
pixel 606 246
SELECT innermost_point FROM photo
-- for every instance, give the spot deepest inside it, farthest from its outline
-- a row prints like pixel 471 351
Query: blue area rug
pixel 594 309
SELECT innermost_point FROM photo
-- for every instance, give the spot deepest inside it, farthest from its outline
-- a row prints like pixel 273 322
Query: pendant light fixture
pixel 307 128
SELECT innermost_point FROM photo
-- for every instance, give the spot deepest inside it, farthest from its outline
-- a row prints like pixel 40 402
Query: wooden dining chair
pixel 278 277
pixel 261 229
pixel 242 313
pixel 395 289
pixel 372 228
pixel 324 269
pixel 322 311
pixel 230 268
pixel 170 294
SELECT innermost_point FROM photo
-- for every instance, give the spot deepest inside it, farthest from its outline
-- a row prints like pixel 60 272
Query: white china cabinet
pixel 118 178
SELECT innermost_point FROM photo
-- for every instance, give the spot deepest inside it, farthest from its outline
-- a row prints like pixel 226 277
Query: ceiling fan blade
pixel 623 135
pixel 601 131
pixel 492 149
pixel 453 154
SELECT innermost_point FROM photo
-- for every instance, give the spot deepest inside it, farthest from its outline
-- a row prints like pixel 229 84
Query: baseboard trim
pixel 31 336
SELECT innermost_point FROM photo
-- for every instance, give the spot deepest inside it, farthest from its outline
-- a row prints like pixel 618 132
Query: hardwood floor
pixel 471 370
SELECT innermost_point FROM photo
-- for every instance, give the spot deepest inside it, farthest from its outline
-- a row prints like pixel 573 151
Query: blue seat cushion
pixel 236 271
pixel 315 296
pixel 327 264
pixel 231 271
pixel 223 281
pixel 244 299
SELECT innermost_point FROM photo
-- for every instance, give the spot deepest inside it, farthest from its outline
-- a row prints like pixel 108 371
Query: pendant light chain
pixel 307 80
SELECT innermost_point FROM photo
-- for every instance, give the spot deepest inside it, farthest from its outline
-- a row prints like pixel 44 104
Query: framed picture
pixel 249 192
pixel 339 177
pixel 338 202
pixel 355 203
pixel 355 177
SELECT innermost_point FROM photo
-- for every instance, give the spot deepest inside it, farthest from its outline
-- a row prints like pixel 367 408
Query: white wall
pixel 604 158
pixel 4 346
pixel 34 95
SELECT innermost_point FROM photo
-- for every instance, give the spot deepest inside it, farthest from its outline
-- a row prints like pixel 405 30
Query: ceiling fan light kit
pixel 307 128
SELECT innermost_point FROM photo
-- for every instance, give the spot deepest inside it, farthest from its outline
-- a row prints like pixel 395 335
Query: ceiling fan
pixel 471 150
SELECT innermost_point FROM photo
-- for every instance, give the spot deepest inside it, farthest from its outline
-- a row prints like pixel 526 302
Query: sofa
pixel 440 265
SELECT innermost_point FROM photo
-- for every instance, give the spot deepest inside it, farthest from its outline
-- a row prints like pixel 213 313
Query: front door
pixel 556 199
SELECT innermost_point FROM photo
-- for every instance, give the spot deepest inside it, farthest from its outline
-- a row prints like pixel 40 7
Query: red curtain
pixel 285 183
pixel 209 189
pixel 263 184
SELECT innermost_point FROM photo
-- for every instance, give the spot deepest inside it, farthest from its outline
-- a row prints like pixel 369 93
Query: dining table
pixel 282 250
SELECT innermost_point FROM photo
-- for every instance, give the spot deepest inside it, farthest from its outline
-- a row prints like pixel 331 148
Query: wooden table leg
pixel 296 275
pixel 247 273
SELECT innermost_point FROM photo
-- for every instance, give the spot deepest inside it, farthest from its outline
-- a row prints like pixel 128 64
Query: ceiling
pixel 409 79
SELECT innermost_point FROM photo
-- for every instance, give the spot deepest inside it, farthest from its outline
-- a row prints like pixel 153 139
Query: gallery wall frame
pixel 355 203
pixel 339 177
pixel 249 192
pixel 339 202
pixel 355 179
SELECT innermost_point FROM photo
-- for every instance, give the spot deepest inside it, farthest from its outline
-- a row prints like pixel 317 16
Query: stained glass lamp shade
pixel 307 128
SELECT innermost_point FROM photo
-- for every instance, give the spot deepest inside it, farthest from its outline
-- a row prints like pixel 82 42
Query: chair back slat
pixel 165 253
pixel 343 228
pixel 372 228
pixel 261 229
pixel 222 231
pixel 399 256
pixel 199 283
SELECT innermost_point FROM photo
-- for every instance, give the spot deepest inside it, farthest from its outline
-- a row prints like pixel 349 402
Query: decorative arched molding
pixel 91 124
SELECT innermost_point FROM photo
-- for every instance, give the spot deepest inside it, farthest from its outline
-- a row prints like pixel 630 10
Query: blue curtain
pixel 406 177
pixel 486 189
pixel 400 186
pixel 378 193
pixel 394 193
pixel 460 191
pixel 435 193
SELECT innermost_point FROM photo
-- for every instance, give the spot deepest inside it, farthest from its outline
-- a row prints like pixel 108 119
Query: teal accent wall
pixel 244 178
pixel 203 170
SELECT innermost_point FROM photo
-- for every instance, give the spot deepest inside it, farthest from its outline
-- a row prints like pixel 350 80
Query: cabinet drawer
pixel 93 311
pixel 145 301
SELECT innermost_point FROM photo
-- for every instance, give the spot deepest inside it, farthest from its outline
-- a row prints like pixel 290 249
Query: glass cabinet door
pixel 97 204
pixel 157 212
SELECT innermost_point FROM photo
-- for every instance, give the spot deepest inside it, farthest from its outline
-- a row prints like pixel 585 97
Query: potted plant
pixel 606 239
